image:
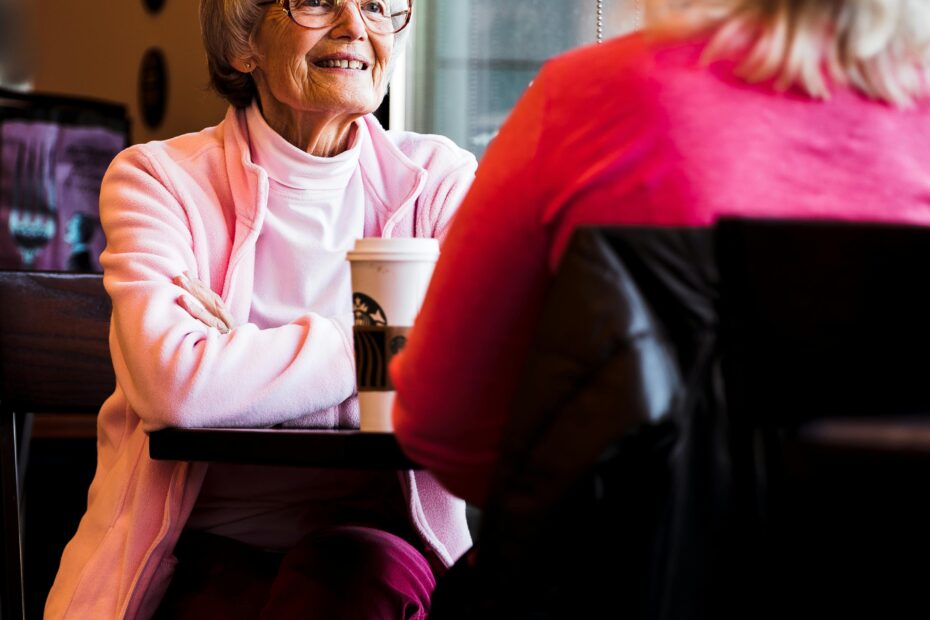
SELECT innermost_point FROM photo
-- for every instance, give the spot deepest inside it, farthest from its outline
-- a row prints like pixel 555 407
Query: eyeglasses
pixel 381 16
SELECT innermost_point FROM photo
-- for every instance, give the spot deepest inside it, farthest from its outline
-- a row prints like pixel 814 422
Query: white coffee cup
pixel 389 281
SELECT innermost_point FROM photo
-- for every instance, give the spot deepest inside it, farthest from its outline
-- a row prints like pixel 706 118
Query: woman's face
pixel 339 70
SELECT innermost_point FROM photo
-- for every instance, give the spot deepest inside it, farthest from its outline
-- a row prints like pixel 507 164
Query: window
pixel 470 60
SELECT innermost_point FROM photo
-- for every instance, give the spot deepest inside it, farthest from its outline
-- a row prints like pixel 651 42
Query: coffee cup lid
pixel 394 249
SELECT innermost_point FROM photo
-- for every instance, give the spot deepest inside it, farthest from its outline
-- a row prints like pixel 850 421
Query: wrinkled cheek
pixel 379 75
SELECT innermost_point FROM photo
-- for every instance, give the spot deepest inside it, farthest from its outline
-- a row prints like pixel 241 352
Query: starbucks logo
pixel 367 311
pixel 375 347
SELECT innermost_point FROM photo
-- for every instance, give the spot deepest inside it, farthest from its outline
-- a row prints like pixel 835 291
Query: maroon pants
pixel 343 572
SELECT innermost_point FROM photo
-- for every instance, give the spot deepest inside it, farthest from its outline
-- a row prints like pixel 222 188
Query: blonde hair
pixel 880 47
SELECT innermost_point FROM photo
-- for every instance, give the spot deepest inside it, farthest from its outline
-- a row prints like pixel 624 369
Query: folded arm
pixel 175 369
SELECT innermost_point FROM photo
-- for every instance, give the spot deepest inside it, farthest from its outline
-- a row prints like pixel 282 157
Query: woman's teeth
pixel 341 64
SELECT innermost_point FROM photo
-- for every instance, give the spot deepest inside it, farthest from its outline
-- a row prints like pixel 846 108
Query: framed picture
pixel 153 6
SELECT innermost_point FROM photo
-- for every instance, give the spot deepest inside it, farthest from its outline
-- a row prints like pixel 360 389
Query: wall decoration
pixel 153 6
pixel 153 87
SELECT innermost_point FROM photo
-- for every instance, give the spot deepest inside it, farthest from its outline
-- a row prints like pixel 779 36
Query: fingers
pixel 196 310
pixel 208 302
pixel 222 313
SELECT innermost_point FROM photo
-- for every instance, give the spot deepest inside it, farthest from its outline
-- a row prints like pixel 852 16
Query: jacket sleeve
pixel 176 371
pixel 446 190
pixel 456 376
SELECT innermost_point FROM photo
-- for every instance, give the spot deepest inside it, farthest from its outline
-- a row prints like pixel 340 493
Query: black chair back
pixel 577 520
pixel 826 319
pixel 54 358
pixel 826 333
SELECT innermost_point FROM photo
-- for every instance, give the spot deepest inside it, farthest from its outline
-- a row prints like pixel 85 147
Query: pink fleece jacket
pixel 196 203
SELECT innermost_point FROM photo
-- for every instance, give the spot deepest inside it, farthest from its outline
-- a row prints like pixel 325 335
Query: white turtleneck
pixel 316 210
pixel 315 214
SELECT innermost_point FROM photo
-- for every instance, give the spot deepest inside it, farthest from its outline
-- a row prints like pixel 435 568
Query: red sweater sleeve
pixel 456 377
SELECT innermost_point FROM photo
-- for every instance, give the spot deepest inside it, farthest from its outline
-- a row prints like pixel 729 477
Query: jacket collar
pixel 389 176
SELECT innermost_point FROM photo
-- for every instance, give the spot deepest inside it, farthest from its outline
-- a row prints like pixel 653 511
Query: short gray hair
pixel 228 27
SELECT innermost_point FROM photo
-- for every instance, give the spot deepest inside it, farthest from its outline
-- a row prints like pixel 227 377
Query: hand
pixel 203 304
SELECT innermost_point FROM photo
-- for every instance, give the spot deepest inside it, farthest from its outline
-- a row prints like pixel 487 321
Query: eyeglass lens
pixel 383 16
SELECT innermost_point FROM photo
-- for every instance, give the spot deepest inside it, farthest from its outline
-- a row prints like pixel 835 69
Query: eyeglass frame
pixel 285 6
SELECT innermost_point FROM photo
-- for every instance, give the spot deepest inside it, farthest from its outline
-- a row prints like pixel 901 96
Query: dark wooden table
pixel 340 449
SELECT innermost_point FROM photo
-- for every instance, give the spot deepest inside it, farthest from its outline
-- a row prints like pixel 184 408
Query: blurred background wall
pixel 95 48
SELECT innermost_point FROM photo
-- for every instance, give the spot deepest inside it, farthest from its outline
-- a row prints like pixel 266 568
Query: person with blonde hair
pixel 226 265
pixel 879 47
pixel 756 108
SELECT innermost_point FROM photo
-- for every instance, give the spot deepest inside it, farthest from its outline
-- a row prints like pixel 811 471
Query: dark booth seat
pixel 826 339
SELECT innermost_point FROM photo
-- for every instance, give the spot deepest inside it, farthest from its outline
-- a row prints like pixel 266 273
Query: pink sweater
pixel 625 133
pixel 196 203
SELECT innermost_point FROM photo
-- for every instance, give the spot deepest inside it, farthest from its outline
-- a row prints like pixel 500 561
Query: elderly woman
pixel 763 108
pixel 225 262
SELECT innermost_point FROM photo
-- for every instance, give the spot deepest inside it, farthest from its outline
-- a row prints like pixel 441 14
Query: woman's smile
pixel 342 62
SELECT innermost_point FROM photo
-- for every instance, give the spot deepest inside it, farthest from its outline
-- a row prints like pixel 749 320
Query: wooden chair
pixel 54 358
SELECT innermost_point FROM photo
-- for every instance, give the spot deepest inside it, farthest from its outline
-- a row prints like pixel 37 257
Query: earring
pixel 248 66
